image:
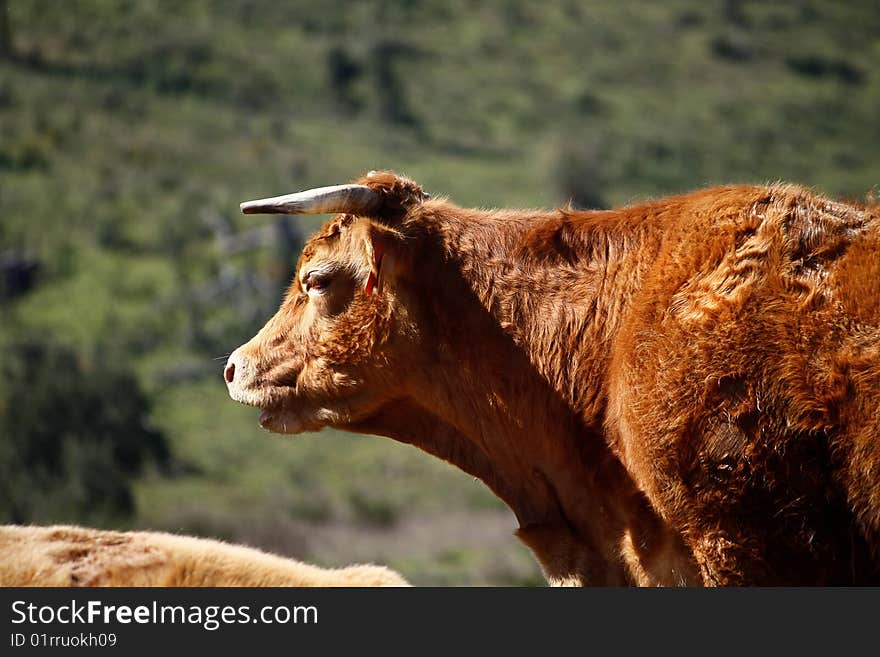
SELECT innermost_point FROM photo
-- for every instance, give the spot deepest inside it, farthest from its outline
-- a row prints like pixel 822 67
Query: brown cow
pixel 66 555
pixel 681 392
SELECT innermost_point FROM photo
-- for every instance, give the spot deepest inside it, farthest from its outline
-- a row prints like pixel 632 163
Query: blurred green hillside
pixel 131 130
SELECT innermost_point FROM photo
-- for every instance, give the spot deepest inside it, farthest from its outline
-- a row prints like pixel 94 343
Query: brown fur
pixel 64 555
pixel 685 391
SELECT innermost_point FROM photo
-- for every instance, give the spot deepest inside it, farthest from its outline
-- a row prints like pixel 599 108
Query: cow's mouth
pixel 277 413
pixel 263 398
pixel 285 410
pixel 282 419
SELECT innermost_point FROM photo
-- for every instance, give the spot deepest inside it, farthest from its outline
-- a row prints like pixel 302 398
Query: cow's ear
pixel 383 247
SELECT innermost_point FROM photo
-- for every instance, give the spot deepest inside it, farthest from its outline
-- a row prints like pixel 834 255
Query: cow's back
pixel 67 555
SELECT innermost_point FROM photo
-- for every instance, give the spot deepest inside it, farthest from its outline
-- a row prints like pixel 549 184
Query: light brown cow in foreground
pixel 685 391
pixel 64 555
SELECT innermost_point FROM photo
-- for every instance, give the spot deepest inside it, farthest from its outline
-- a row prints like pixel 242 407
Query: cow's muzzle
pixel 239 376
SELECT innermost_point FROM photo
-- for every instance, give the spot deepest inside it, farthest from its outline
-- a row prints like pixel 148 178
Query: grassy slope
pixel 124 124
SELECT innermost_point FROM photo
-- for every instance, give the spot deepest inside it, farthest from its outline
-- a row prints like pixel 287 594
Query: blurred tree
pixel 6 47
pixel 18 274
pixel 815 65
pixel 579 174
pixel 733 12
pixel 393 105
pixel 71 436
pixel 343 71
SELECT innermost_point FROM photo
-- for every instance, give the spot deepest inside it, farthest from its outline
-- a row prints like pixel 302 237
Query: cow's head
pixel 384 330
pixel 332 353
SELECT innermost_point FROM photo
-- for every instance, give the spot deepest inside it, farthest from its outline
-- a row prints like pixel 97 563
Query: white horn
pixel 354 199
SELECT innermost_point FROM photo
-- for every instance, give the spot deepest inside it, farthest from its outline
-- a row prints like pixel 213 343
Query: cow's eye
pixel 316 280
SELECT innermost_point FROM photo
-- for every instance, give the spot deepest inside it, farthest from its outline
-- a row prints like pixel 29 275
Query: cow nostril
pixel 229 373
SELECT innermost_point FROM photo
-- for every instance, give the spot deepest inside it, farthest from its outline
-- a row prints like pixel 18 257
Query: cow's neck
pixel 517 396
pixel 558 283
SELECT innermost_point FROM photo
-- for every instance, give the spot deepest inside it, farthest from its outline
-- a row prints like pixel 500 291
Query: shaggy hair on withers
pixel 64 555
pixel 684 391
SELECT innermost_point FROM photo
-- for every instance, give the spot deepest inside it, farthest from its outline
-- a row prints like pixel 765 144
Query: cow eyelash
pixel 315 280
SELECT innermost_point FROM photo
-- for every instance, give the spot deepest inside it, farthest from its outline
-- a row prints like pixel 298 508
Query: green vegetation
pixel 73 434
pixel 130 130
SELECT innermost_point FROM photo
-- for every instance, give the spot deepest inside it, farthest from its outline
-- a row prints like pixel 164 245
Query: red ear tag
pixel 371 286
